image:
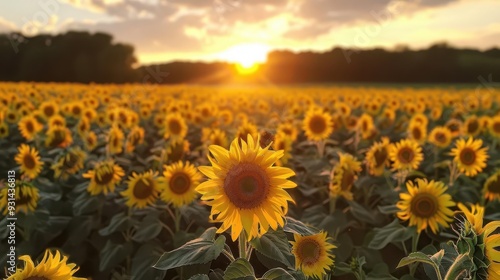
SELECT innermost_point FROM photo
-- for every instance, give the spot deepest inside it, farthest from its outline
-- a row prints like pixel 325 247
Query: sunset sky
pixel 223 29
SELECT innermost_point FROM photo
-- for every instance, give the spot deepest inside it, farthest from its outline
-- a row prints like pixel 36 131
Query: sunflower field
pixel 185 182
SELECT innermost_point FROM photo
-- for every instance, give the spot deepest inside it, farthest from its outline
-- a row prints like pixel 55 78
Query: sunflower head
pixel 29 160
pixel 344 175
pixel 175 127
pixel 29 127
pixel 134 138
pixel 245 190
pixel 377 157
pixel 49 109
pixel 426 204
pixel 143 189
pixel 406 154
pixel 317 124
pixel 104 177
pixel 491 189
pixel 472 126
pixel 181 180
pixel 58 136
pixel 440 136
pixel 469 156
pixel 115 140
pixel 69 163
pixel 53 266
pixel 283 142
pixel 4 129
pixel 313 254
pixel 494 126
pixel 27 197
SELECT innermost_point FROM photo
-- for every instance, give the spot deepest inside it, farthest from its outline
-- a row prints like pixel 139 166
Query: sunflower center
pixel 30 127
pixel 468 156
pixel 143 188
pixel 417 133
pixel 424 205
pixel 317 124
pixel 23 199
pixel 380 156
pixel 247 185
pixel 2 130
pixel 29 161
pixel 76 110
pixel 406 155
pixel 309 251
pixel 174 126
pixel 48 111
pixel 494 187
pixel 440 137
pixel 472 126
pixel 347 179
pixel 180 183
pixel 105 178
pixel 496 127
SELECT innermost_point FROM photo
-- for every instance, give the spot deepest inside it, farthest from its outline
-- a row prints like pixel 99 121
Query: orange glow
pixel 246 56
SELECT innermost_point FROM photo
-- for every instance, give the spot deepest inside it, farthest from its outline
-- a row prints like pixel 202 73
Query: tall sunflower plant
pixel 248 199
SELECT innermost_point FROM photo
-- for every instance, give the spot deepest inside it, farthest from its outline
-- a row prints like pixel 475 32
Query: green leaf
pixel 240 268
pixel 198 251
pixel 85 204
pixel 143 260
pixel 199 277
pixel 147 232
pixel 391 233
pixel 420 257
pixel 277 274
pixel 274 245
pixel 361 213
pixel 119 222
pixel 461 264
pixel 380 272
pixel 298 227
pixel 113 254
pixel 388 209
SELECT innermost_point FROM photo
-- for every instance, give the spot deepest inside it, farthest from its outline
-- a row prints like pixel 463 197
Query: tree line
pixel 84 58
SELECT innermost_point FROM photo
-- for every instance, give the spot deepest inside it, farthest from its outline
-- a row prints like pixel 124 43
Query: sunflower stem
pixel 333 204
pixel 414 245
pixel 228 255
pixel 242 245
pixel 177 220
pixel 249 252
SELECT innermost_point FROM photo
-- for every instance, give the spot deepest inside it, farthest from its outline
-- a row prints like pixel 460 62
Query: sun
pixel 247 56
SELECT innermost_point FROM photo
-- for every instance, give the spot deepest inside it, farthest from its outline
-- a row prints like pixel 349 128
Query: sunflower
pixel 175 127
pixel 366 126
pixel 83 126
pixel 104 177
pixel 481 243
pixel 57 120
pixel 11 116
pixel 495 126
pixel 134 138
pixel 177 150
pixel 377 157
pixel 244 129
pixel 58 136
pixel 115 140
pixel 406 154
pixel 312 254
pixel 317 125
pixel 472 126
pixel 454 126
pixel 283 142
pixel 491 187
pixel 288 129
pixel 469 156
pixel 4 130
pixel 143 189
pixel 181 181
pixel 53 266
pixel 417 131
pixel 245 190
pixel 29 160
pixel 440 136
pixel 49 109
pixel 426 205
pixel 344 175
pixel 217 137
pixel 27 197
pixel 90 141
pixel 29 127
pixel 69 163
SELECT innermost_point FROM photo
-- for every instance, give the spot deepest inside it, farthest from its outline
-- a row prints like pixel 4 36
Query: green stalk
pixel 177 220
pixel 414 245
pixel 242 245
